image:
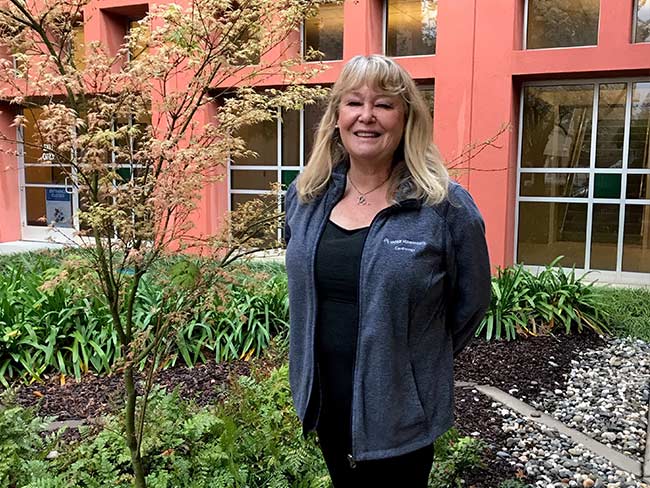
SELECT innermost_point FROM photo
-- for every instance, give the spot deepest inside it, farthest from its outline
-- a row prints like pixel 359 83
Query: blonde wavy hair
pixel 418 166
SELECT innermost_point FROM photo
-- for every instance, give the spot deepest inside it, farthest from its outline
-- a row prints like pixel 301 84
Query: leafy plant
pixel 252 440
pixel 524 303
pixel 22 449
pixel 512 483
pixel 454 457
pixel 58 328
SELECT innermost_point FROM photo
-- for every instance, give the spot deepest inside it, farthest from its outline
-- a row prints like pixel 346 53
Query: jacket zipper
pixel 321 229
pixel 351 459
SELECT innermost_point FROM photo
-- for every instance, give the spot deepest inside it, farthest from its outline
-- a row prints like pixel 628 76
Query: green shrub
pixel 524 303
pixel 513 483
pixel 64 328
pixel 22 449
pixel 627 309
pixel 454 458
pixel 253 440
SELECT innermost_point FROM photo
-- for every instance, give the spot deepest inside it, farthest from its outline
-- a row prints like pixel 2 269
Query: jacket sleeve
pixel 469 268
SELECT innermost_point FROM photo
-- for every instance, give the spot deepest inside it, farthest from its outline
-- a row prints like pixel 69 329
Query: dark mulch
pixel 523 368
pixel 94 395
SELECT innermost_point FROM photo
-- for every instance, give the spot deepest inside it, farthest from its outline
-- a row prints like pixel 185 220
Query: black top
pixel 338 258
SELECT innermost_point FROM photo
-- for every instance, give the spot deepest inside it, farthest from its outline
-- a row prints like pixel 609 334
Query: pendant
pixel 362 200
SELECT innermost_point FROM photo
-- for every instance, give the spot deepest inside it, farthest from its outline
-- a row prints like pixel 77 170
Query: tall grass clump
pixel 62 326
pixel 628 310
pixel 525 303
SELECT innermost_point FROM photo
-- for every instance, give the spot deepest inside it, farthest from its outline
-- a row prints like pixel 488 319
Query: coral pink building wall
pixel 478 70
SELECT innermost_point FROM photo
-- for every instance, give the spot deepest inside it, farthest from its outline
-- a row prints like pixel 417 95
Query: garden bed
pixel 523 368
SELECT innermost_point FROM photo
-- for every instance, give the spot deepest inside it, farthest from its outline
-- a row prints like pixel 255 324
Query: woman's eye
pixel 384 105
pixel 353 103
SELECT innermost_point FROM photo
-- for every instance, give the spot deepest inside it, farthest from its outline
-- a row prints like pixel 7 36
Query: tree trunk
pixel 130 420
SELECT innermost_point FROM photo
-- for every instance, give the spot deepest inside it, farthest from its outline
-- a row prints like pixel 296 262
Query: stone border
pixel 621 461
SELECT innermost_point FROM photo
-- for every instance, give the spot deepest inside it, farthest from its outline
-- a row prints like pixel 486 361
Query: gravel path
pixel 606 395
pixel 547 459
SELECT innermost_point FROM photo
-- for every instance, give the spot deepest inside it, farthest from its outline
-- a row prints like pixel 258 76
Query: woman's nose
pixel 367 113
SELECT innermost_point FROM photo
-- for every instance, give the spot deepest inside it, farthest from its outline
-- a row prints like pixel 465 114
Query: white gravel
pixel 548 459
pixel 606 396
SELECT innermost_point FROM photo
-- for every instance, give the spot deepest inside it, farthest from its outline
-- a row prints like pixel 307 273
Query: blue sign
pixel 56 195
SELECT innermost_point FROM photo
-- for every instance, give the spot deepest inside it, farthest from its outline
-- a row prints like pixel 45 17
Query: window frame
pixel 303 42
pixel 524 42
pixel 384 32
pixel 617 276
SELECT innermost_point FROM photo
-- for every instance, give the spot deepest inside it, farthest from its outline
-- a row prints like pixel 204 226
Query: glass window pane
pixel 562 23
pixel 291 138
pixel 551 229
pixel 554 185
pixel 604 237
pixel 253 180
pixel 313 114
pixel 429 94
pixel 263 139
pixel 288 177
pixel 611 125
pixel 639 153
pixel 411 27
pixel 642 31
pixel 324 32
pixel 48 206
pixel 607 185
pixel 47 174
pixel 638 187
pixel 557 126
pixel 636 241
pixel 236 200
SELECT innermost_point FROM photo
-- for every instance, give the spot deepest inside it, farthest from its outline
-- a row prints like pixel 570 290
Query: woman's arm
pixel 469 268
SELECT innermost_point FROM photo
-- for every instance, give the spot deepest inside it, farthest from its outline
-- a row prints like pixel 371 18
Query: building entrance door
pixel 49 198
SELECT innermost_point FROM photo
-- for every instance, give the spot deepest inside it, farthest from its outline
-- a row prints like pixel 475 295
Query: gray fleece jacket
pixel 424 286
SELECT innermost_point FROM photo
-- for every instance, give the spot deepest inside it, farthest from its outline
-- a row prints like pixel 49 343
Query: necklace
pixel 361 199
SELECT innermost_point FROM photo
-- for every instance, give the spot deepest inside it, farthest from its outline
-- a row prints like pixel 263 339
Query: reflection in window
pixel 604 236
pixel 611 125
pixel 278 160
pixel 558 173
pixel 557 126
pixel 639 156
pixel 324 32
pixel 642 17
pixel 562 23
pixel 636 239
pixel 551 229
pixel 411 27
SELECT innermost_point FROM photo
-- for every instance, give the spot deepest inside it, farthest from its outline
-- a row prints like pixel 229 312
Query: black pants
pixel 409 470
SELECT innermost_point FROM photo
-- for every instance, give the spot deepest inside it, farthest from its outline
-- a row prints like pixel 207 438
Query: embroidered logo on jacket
pixel 404 244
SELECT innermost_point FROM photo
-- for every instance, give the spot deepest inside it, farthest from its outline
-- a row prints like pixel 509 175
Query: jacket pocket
pixel 414 396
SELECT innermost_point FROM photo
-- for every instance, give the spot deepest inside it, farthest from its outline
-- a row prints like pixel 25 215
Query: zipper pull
pixel 353 463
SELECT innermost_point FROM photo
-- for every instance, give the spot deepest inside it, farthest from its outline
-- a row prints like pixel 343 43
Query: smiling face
pixel 371 125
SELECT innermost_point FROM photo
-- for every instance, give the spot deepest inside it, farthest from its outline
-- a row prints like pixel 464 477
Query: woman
pixel 388 278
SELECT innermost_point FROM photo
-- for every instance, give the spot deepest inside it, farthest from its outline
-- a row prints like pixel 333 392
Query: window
pixel 138 45
pixel 642 21
pixel 411 27
pixel 283 148
pixel 584 176
pixel 324 32
pixel 561 23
